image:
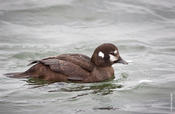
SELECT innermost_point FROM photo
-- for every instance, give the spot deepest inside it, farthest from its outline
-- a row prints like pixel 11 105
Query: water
pixel 143 30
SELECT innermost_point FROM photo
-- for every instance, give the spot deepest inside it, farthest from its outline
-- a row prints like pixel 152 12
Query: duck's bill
pixel 120 60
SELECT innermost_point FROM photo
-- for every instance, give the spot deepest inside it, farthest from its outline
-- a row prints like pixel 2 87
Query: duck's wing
pixel 71 70
pixel 75 66
pixel 79 59
pixel 37 61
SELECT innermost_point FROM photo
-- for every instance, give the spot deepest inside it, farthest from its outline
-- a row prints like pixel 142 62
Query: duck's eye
pixel 112 53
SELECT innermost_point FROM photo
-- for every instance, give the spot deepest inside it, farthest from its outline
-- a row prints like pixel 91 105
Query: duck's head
pixel 106 55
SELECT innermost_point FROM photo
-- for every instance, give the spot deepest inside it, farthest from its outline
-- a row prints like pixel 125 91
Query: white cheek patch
pixel 115 52
pixel 112 58
pixel 101 54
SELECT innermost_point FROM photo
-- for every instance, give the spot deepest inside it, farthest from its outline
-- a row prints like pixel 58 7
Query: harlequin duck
pixel 76 67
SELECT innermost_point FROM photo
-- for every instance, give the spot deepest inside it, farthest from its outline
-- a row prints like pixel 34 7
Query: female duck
pixel 76 67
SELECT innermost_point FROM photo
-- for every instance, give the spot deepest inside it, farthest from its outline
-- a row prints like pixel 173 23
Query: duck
pixel 75 67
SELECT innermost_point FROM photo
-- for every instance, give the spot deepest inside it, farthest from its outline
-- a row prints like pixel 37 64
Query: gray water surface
pixel 143 30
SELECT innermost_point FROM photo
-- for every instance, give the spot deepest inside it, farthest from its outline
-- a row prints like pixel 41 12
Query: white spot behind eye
pixel 112 58
pixel 115 52
pixel 101 54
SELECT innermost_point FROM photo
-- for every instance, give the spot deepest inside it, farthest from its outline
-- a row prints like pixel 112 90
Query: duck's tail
pixel 17 75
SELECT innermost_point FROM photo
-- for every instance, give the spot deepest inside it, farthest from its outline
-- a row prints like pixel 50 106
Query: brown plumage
pixel 76 67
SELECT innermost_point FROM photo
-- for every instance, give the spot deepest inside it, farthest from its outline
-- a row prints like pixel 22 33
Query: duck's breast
pixel 101 74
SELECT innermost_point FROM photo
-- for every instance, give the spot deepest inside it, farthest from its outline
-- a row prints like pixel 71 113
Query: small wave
pixel 132 45
pixel 145 81
pixel 135 84
pixel 28 5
